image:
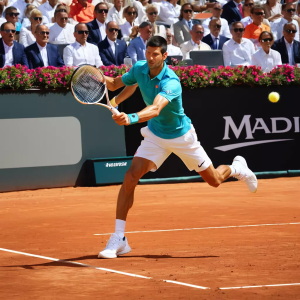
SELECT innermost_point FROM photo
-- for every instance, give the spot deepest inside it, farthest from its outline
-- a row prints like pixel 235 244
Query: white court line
pixel 256 286
pixel 202 228
pixel 102 269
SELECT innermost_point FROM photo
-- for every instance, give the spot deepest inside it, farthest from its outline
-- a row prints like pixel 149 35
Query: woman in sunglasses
pixel 27 37
pixel 141 6
pixel 130 14
pixel 265 57
pixel 152 14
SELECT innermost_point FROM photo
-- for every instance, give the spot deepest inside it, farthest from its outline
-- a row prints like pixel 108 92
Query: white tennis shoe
pixel 244 173
pixel 115 246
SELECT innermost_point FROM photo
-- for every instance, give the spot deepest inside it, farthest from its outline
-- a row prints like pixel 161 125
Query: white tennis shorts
pixel 187 147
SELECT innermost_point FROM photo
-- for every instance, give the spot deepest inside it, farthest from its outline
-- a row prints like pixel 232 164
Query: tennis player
pixel 169 130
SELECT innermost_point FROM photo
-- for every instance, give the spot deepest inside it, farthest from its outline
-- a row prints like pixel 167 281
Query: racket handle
pixel 114 111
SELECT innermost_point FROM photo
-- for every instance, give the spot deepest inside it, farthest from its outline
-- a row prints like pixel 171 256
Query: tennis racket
pixel 88 86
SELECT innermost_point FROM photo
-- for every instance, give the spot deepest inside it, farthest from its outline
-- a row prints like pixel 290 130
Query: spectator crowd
pixel 39 33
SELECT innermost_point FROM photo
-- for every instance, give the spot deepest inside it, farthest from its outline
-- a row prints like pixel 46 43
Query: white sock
pixel 120 228
pixel 233 171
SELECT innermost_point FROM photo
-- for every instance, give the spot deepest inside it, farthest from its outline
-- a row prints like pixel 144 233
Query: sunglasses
pixel 217 8
pixel 218 26
pixel 267 40
pixel 291 10
pixel 131 13
pixel 239 29
pixel 188 11
pixel 64 19
pixel 13 14
pixel 153 13
pixel 113 29
pixel 100 11
pixel 61 10
pixel 82 32
pixel 249 4
pixel 38 18
pixel 199 32
pixel 290 31
pixel 44 32
pixel 9 30
pixel 259 13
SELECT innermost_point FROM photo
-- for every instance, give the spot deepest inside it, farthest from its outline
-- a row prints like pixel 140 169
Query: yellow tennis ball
pixel 274 97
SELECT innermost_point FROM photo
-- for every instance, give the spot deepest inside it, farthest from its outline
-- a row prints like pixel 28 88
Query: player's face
pixel 154 57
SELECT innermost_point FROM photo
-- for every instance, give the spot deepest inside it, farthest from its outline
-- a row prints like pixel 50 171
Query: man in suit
pixel 96 27
pixel 214 39
pixel 233 11
pixel 287 46
pixel 112 50
pixel 11 52
pixel 137 47
pixel 42 54
pixel 183 27
pixel 195 44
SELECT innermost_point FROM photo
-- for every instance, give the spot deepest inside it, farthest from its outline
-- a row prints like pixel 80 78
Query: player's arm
pixel 125 93
pixel 146 114
pixel 114 83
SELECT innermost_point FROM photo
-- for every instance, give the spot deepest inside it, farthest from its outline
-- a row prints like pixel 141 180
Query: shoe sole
pixel 242 160
pixel 126 250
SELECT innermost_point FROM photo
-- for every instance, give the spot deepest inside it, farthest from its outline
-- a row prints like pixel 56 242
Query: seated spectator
pixel 61 32
pixel 2 20
pixel 152 14
pixel 233 11
pixel 27 37
pixel 195 44
pixel 171 49
pixel 11 52
pixel 248 4
pixel 137 47
pixel 140 6
pixel 254 30
pixel 287 46
pixel 112 50
pixel 26 22
pixel 82 11
pixel 42 54
pixel 288 12
pixel 20 5
pixel 97 27
pixel 265 57
pixel 169 11
pixel 130 14
pixel 81 52
pixel 272 9
pixel 116 13
pixel 48 8
pixel 183 27
pixel 216 14
pixel 11 15
pixel 238 51
pixel 214 39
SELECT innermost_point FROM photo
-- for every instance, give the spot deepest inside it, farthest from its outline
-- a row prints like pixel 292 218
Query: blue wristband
pixel 134 118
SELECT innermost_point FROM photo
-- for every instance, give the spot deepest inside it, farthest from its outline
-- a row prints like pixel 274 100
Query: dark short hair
pixel 59 12
pixel 2 28
pixel 145 24
pixel 264 32
pixel 284 6
pixel 235 23
pixel 79 24
pixel 158 41
pixel 9 10
pixel 182 9
pixel 125 10
pixel 256 7
pixel 285 25
pixel 100 3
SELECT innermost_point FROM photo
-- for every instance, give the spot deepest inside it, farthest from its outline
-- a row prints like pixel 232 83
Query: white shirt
pixel 188 46
pixel 169 13
pixel 76 55
pixel 9 58
pixel 289 48
pixel 277 28
pixel 173 50
pixel 20 5
pixel 236 54
pixel 247 21
pixel 44 54
pixel 266 61
pixel 26 36
pixel 112 46
pixel 102 29
pixel 47 10
pixel 126 29
pixel 224 29
pixel 59 35
pixel 116 16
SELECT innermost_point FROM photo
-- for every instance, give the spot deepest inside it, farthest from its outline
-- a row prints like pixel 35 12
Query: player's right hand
pixel 121 119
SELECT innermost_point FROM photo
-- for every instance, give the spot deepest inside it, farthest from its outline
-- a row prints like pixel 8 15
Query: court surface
pixel 189 241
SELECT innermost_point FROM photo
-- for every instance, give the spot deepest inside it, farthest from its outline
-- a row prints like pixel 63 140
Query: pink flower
pixel 40 79
pixel 21 82
pixel 48 82
pixel 2 81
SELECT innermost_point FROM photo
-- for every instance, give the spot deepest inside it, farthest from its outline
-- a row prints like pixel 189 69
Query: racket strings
pixel 88 85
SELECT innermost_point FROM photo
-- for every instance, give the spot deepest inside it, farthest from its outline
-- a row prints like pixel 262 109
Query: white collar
pixel 288 42
pixel 100 24
pixel 78 45
pixel 242 42
pixel 40 47
pixel 60 26
pixel 111 42
pixel 214 38
pixel 262 52
pixel 6 46
pixel 49 7
pixel 236 4
pixel 195 44
pixel 143 41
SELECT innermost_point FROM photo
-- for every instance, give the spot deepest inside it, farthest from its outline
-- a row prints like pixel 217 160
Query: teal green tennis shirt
pixel 172 121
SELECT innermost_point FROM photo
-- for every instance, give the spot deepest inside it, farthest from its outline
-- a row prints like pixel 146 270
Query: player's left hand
pixel 121 119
